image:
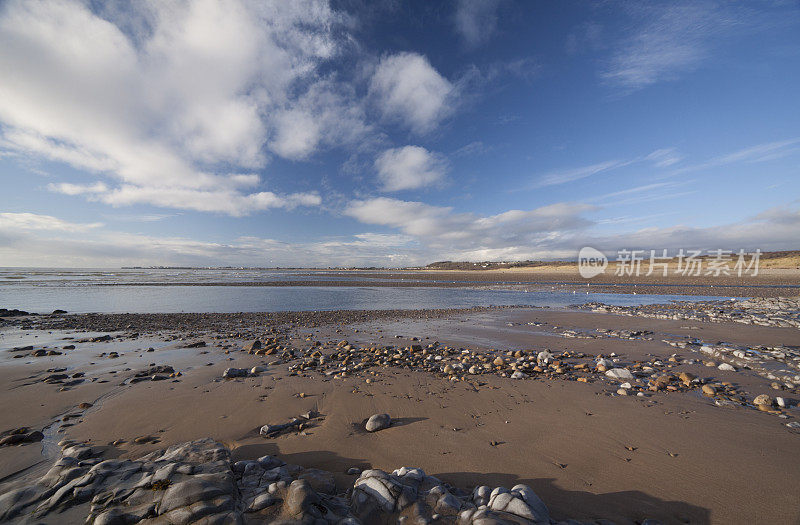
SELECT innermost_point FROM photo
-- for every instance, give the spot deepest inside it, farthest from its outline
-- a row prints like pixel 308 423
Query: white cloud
pixel 561 177
pixel 14 222
pixel 409 167
pixel 68 188
pixel 407 88
pixel 428 233
pixel 665 157
pixel 476 20
pixel 442 229
pixel 670 39
pixel 173 99
pixel 752 154
pixel 227 201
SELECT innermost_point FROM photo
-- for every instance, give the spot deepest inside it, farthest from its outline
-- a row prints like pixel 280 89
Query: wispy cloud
pixel 669 39
pixel 752 154
pixel 561 177
pixel 476 20
pixel 16 222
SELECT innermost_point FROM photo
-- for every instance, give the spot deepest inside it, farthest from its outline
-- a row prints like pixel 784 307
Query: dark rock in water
pixel 58 312
pixel 100 339
pixel 234 372
pixel 196 344
pixel 68 347
pixel 13 313
pixel 378 422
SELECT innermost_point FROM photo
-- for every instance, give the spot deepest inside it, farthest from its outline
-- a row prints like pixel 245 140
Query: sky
pixel 387 133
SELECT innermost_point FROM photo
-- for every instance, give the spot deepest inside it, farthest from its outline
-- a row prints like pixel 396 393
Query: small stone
pixel 619 373
pixel 255 345
pixel 762 399
pixel 726 367
pixel 234 372
pixel 378 422
pixel 709 390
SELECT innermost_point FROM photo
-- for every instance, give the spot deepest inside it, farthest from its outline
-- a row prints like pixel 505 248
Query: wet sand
pixel 586 451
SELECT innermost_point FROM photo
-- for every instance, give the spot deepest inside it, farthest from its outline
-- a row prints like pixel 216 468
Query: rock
pixel 727 367
pixel 273 430
pixel 544 357
pixel 20 437
pixel 709 390
pixel 619 373
pixel 378 422
pixel 257 370
pixel 301 499
pixel 607 363
pixel 255 345
pixel 498 361
pixel 622 392
pixel 762 399
pixel 518 375
pixel 261 502
pixel 353 471
pixel 520 501
pixel 781 402
pixel 234 372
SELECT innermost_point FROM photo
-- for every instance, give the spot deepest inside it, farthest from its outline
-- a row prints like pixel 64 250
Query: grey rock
pixel 378 422
pixel 234 372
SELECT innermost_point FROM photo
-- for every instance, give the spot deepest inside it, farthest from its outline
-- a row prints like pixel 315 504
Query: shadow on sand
pixel 628 507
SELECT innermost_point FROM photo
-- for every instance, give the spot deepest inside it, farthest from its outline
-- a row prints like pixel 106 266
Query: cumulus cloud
pixel 173 99
pixel 407 88
pixel 409 167
pixel 476 20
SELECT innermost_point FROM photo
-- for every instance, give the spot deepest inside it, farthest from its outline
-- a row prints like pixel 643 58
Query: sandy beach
pixel 493 397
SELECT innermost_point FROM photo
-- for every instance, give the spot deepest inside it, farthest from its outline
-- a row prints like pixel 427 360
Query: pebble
pixel 762 400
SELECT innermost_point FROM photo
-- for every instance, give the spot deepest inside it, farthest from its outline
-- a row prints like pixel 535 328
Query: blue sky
pixel 392 133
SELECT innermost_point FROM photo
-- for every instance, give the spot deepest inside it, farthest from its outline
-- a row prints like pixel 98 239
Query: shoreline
pixel 480 429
